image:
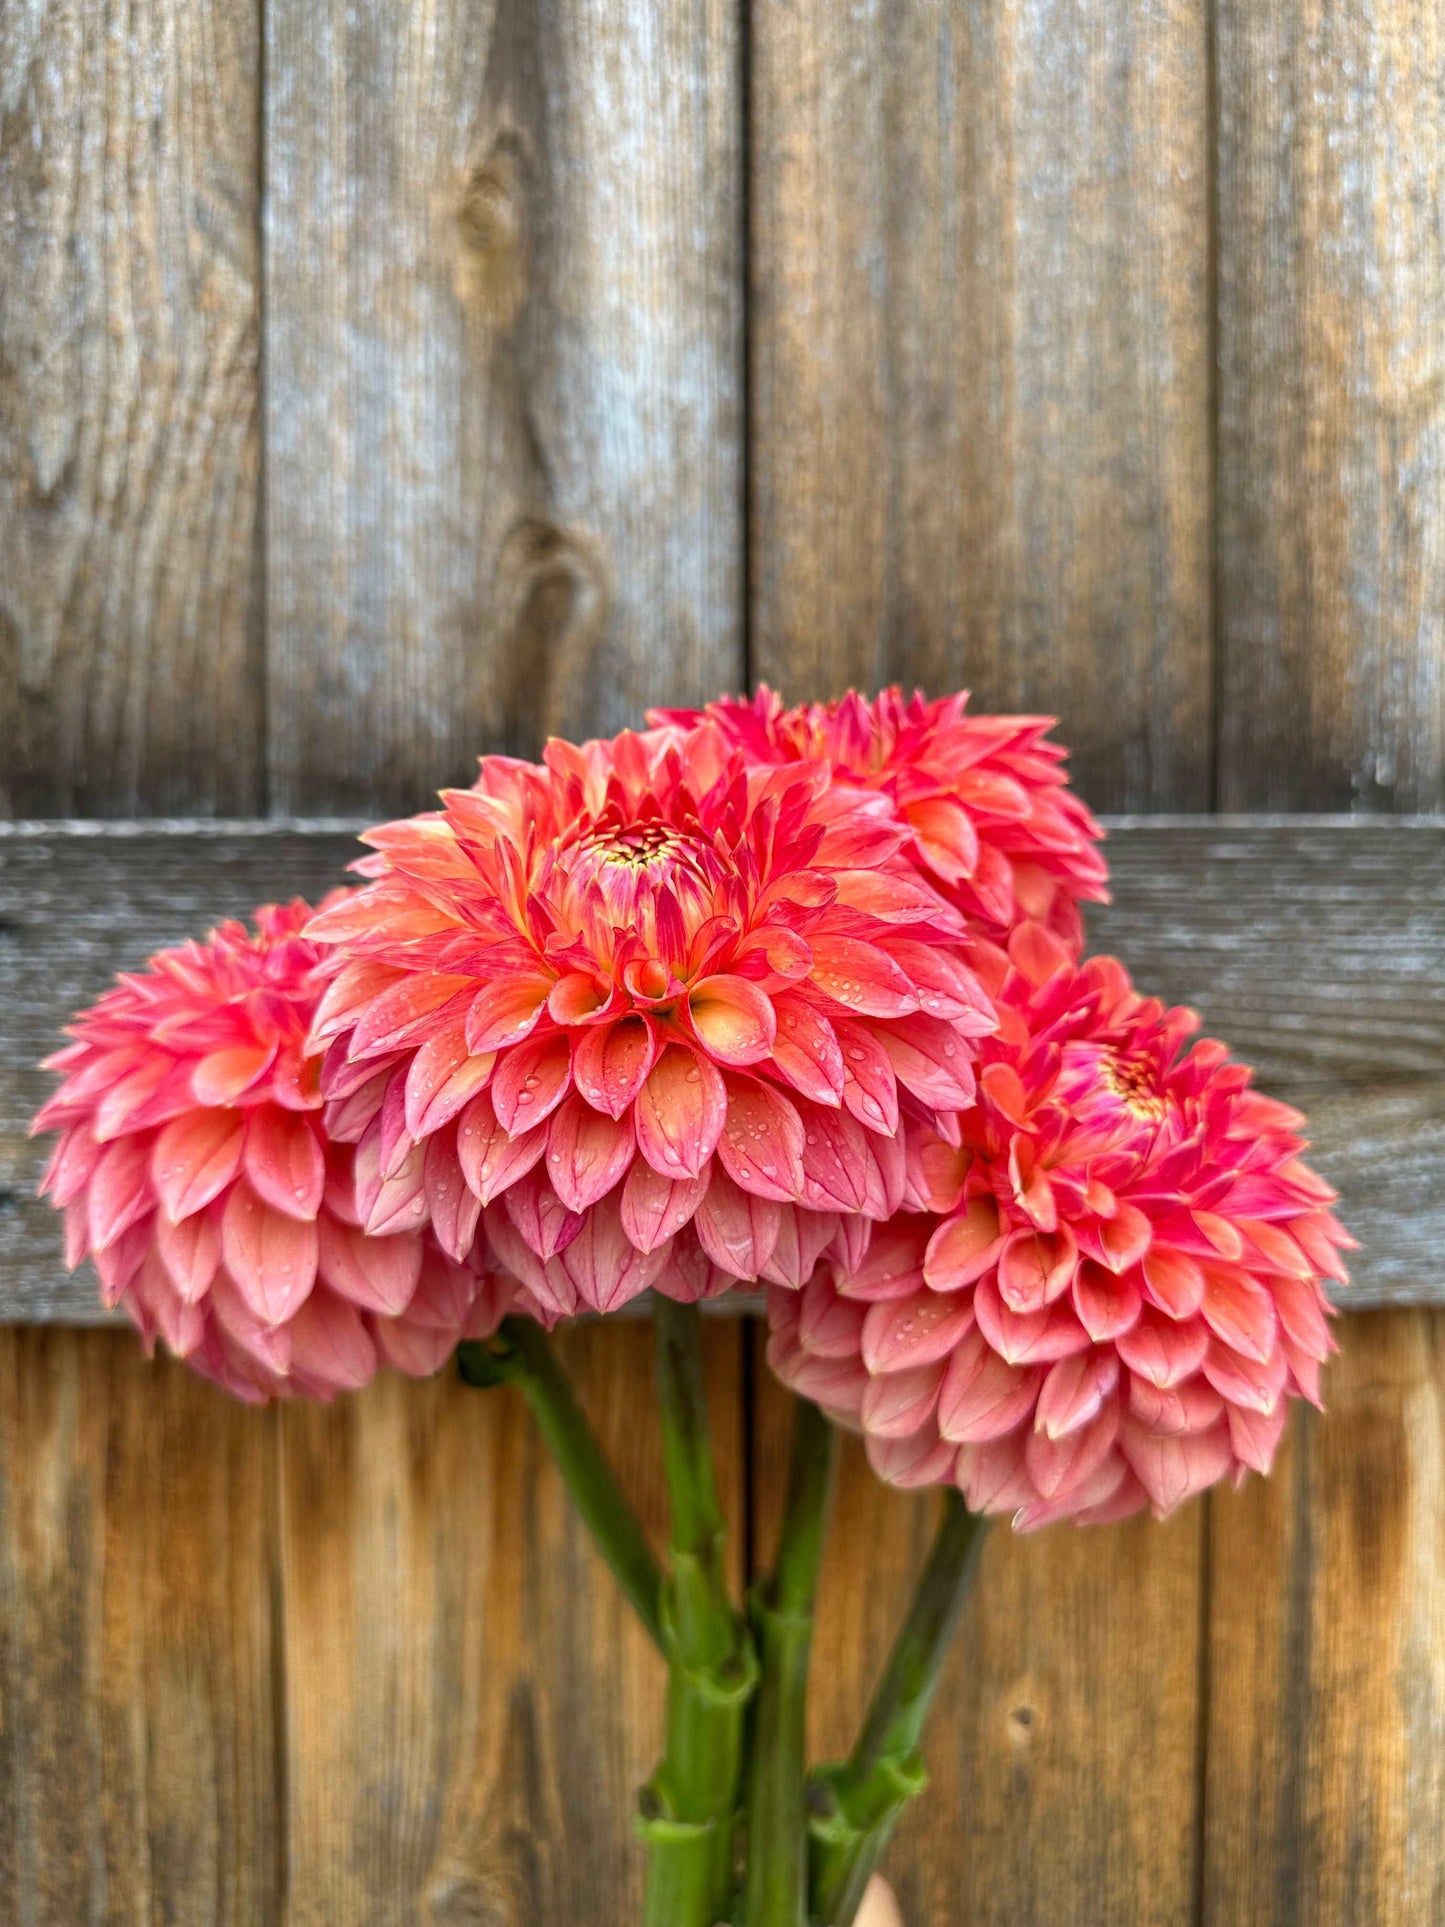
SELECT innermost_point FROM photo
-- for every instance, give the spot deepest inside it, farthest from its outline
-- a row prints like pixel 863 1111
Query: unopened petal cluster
pixel 660 1013
pixel 194 1166
pixel 1106 1295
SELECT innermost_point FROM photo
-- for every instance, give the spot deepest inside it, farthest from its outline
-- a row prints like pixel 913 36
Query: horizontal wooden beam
pixel 1315 946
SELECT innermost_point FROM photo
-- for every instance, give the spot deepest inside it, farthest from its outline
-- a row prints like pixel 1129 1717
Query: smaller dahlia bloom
pixel 660 1014
pixel 194 1166
pixel 992 822
pixel 1107 1294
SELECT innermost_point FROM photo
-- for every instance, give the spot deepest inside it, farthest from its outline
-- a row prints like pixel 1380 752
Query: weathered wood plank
pixel 471 1705
pixel 980 360
pixel 137 1685
pixel 1331 314
pixel 1313 947
pixel 503 381
pixel 1064 1739
pixel 129 450
pixel 1325 1795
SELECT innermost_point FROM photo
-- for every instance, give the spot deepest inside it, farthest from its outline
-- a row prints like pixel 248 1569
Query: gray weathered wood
pixel 503 298
pixel 1314 947
pixel 129 444
pixel 980 440
pixel 1331 251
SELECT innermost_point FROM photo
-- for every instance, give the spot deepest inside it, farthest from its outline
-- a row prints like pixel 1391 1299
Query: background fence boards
pixel 375 391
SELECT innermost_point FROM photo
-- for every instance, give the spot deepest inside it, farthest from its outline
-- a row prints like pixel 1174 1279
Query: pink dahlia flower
pixel 1114 1286
pixel 992 821
pixel 660 1013
pixel 193 1164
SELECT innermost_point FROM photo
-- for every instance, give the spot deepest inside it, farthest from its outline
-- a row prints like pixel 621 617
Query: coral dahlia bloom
pixel 193 1164
pixel 659 1012
pixel 992 821
pixel 1117 1286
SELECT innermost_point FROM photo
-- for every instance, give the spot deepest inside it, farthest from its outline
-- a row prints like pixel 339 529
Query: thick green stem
pixel 856 1805
pixel 689 1808
pixel 521 1355
pixel 775 1889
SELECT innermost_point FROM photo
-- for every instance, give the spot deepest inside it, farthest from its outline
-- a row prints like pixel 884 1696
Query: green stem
pixel 856 1805
pixel 775 1889
pixel 689 1807
pixel 521 1355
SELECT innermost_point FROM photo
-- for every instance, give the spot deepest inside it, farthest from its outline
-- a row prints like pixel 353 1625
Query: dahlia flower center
pixel 1132 1082
pixel 629 866
pixel 1118 1094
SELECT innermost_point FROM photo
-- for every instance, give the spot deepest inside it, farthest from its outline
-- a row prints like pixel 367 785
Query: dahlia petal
pixel 190 1252
pixel 1062 1465
pixel 118 1108
pixel 655 1208
pixel 1107 1306
pixel 892 1265
pixel 610 1062
pixel 736 1229
pixel 330 1344
pixel 181 1324
pixel 1036 1267
pixel 395 1202
pixel 1272 1249
pixel 1127 1498
pixel 803 1236
pixel 120 1190
pixel 1172 1468
pixel 545 1223
pixel 992 1475
pixel 1302 1316
pixel 194 1159
pixel 1118 1242
pixel 861 977
pixel 71 1163
pixel 377 1274
pixel 1254 1436
pixel 918 1459
pixel 1027 1338
pixel 352 1107
pixel 680 1113
pixel 964 1247
pixel 606 1269
pixel 522 1263
pixel 947 839
pixel 930 1059
pixel 441 1079
pixel 836 1165
pixel 119 1264
pixel 898 1403
pixel 77 1232
pixel 1241 1380
pixel 807 1052
pixel 1088 1498
pixel 419 1351
pixel 393 1019
pixel 490 1159
pixel 284 1161
pixel 688 1275
pixel 1173 1281
pixel 349 992
pixel 837 1385
pixel 946 986
pixel 762 1141
pixel 1163 1351
pixel 827 1325
pixel 587 1152
pixel 870 1089
pixel 270 1257
pixel 1220 1233
pixel 900 1333
pixel 577 998
pixel 937 1172
pixel 1074 1391
pixel 505 1011
pixel 1191 1406
pixel 1238 1309
pixel 227 1074
pixel 733 1018
pixel 453 1208
pixel 982 1396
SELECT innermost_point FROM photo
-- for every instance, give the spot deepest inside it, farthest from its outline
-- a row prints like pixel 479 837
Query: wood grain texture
pixel 980 437
pixel 1325 1789
pixel 471 1706
pixel 137 1737
pixel 503 292
pixel 129 445
pixel 1313 947
pixel 1331 405
pixel 1064 1739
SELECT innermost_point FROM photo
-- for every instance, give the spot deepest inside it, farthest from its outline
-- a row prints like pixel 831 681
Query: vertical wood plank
pixel 129 191
pixel 1332 405
pixel 471 1704
pixel 137 1739
pixel 1326 1775
pixel 980 357
pixel 503 380
pixel 1064 1739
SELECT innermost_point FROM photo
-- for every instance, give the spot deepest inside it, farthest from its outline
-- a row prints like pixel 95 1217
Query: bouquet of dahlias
pixel 758 1000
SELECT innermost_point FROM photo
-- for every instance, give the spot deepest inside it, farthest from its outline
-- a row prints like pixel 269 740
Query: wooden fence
pixel 379 385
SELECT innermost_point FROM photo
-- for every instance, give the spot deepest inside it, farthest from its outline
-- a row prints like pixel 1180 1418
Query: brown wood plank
pixel 1326 1775
pixel 471 1706
pixel 980 364
pixel 129 448
pixel 137 1741
pixel 1064 1739
pixel 1331 405
pixel 1312 947
pixel 503 381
